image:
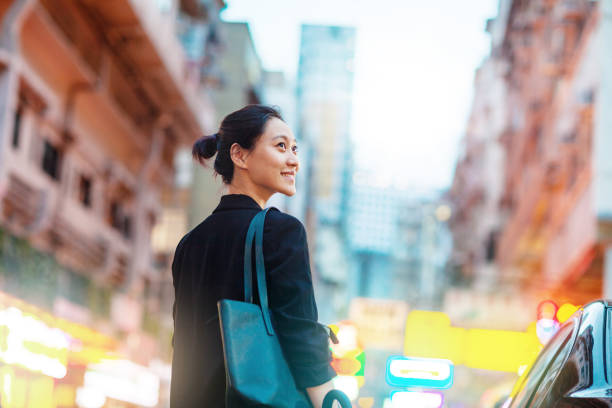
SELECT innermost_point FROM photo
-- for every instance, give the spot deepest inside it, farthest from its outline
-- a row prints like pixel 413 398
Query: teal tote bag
pixel 257 372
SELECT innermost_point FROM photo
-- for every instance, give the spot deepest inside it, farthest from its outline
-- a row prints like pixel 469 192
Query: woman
pixel 256 157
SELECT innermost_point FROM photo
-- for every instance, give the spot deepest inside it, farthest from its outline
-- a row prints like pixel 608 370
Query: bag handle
pixel 248 251
pixel 336 395
pixel 256 228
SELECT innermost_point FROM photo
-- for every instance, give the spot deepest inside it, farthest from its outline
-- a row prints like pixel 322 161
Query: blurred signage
pixel 365 402
pixel 430 335
pixel 566 311
pixel 122 380
pixel 84 345
pixel 419 372
pixel 27 342
pixel 473 309
pixel 348 358
pixel 379 322
pixel 416 399
pixel 350 363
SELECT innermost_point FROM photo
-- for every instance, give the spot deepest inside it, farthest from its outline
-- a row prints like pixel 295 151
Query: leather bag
pixel 257 372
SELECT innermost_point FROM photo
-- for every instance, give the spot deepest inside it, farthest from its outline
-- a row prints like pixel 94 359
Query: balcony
pixel 86 251
pixel 132 48
pixel 22 203
pixel 79 237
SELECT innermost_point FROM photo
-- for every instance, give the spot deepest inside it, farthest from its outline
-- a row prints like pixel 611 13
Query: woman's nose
pixel 293 161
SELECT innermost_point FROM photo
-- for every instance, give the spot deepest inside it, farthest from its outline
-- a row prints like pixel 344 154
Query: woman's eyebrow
pixel 284 137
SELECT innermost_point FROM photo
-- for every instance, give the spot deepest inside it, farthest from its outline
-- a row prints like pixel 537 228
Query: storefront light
pixel 124 381
pixel 31 344
pixel 87 397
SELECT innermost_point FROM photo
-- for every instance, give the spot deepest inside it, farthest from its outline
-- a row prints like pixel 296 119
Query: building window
pixel 51 160
pixel 114 215
pixel 126 229
pixel 491 246
pixel 85 191
pixel 17 126
pixel 119 220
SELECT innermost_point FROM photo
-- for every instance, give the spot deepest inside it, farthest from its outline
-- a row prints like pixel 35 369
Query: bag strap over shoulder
pixel 248 255
pixel 256 229
pixel 260 269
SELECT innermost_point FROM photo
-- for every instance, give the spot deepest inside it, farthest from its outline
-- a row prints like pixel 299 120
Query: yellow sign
pixel 430 334
pixel 379 322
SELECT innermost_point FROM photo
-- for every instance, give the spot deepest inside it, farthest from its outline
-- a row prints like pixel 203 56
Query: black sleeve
pixel 291 299
pixel 176 276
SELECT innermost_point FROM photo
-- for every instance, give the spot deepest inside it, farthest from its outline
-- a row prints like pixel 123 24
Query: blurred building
pixel 556 198
pixel 95 99
pixel 479 174
pixel 399 243
pixel 556 205
pixel 324 103
pixel 372 234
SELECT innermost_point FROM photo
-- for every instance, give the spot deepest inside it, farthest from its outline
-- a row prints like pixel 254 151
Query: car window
pixel 551 373
pixel 555 351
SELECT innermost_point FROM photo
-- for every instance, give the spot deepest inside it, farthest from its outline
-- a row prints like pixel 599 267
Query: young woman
pixel 256 157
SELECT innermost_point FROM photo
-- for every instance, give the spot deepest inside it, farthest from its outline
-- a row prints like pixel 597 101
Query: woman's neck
pixel 240 186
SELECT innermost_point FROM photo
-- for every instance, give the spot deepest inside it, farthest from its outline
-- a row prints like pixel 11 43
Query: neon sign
pixel 419 372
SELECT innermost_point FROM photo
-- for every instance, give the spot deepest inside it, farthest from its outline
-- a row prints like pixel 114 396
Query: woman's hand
pixel 316 394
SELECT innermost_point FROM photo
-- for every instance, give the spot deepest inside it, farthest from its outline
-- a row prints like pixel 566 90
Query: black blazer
pixel 207 267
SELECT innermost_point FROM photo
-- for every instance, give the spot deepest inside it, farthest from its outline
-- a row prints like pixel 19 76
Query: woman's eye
pixel 281 145
pixel 294 149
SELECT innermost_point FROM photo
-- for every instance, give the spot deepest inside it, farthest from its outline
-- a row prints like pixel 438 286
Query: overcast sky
pixel 414 70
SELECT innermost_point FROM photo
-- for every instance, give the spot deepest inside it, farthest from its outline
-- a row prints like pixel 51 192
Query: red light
pixel 547 310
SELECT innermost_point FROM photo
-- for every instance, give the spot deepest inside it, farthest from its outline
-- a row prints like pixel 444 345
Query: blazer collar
pixel 237 202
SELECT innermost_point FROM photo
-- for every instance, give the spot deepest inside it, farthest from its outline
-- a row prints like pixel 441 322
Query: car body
pixel 574 369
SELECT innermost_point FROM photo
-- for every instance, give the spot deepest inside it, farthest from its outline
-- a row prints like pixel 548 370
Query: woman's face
pixel 273 162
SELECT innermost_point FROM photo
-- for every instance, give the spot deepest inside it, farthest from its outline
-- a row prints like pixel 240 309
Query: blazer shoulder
pixel 278 221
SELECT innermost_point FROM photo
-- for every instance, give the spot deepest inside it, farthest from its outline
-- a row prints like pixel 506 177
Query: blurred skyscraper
pixel 479 175
pixel 324 103
pixel 325 92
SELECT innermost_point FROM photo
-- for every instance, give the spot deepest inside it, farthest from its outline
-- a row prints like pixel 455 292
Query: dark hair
pixel 243 127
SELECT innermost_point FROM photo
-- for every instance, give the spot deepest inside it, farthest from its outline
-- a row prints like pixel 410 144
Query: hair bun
pixel 205 147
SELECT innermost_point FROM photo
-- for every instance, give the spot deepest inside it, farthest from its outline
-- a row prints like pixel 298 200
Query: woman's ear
pixel 238 156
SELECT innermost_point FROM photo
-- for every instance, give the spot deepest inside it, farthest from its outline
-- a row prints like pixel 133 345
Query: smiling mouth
pixel 289 175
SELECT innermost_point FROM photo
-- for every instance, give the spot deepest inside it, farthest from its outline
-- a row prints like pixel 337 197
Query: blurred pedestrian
pixel 256 156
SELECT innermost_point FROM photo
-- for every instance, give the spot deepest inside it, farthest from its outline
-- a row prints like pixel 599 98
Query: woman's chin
pixel 290 191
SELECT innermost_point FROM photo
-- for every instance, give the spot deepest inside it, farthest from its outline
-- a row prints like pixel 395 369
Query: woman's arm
pixel 304 341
